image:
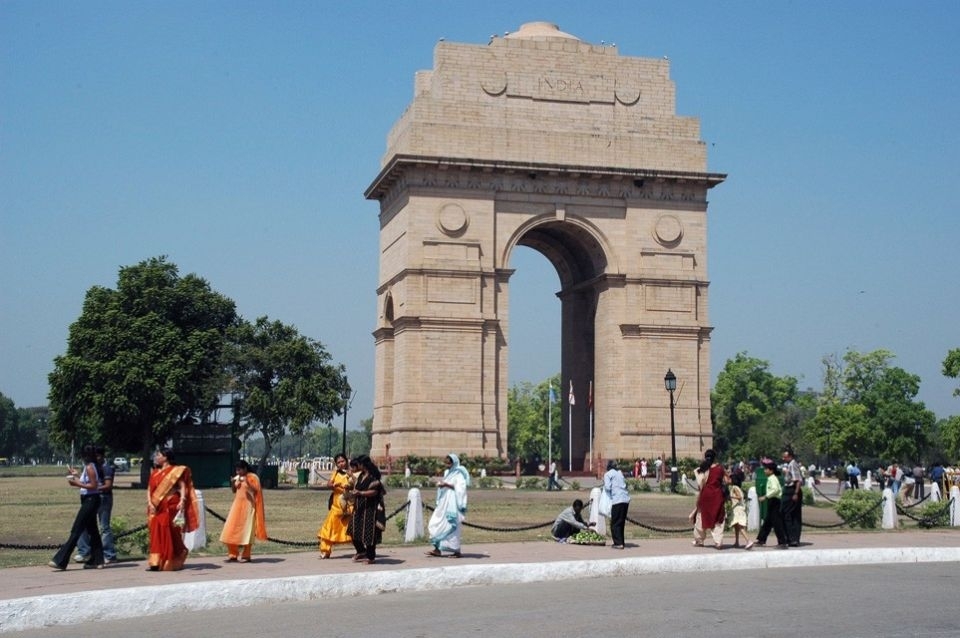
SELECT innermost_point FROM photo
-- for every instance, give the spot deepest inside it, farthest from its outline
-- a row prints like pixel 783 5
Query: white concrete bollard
pixel 812 484
pixel 889 520
pixel 753 510
pixel 955 506
pixel 198 538
pixel 414 528
pixel 935 495
pixel 600 522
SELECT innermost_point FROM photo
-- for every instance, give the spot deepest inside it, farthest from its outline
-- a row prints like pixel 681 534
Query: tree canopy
pixel 951 368
pixel 140 358
pixel 868 410
pixel 282 380
pixel 527 411
pixel 751 407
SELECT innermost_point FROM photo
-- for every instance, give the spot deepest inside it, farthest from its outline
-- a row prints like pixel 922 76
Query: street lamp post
pixel 670 383
pixel 346 405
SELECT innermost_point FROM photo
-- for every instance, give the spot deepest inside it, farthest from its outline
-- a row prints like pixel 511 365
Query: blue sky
pixel 238 137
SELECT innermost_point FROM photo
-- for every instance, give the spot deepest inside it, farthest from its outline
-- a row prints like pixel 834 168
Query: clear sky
pixel 238 137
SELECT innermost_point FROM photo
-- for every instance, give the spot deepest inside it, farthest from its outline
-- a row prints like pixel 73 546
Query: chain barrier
pixel 929 520
pixel 829 500
pixel 923 521
pixel 847 521
pixel 497 529
pixel 915 503
pixel 662 530
pixel 56 547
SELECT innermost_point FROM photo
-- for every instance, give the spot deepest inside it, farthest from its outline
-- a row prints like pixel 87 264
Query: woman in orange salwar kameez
pixel 336 527
pixel 171 511
pixel 245 520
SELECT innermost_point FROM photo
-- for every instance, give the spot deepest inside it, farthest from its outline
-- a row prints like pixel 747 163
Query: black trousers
pixel 618 520
pixel 792 512
pixel 86 521
pixel 918 490
pixel 773 520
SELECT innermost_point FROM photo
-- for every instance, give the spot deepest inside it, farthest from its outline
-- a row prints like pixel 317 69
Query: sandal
pixel 435 553
pixel 456 555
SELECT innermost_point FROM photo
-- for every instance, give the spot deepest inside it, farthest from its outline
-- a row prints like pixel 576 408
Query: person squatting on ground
pixel 367 522
pixel 791 502
pixel 774 518
pixel 615 487
pixel 171 511
pixel 336 526
pixel 103 516
pixel 446 522
pixel 569 522
pixel 246 519
pixel 86 519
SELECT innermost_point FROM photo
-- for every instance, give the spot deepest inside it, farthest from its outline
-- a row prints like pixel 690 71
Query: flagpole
pixel 571 400
pixel 549 424
pixel 590 408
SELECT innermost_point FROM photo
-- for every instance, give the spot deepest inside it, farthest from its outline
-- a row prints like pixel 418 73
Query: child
pixel 738 522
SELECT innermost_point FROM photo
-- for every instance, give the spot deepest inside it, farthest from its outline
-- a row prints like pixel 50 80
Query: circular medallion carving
pixel 668 230
pixel 452 219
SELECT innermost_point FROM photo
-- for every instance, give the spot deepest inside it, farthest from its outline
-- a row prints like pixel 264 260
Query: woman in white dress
pixel 446 523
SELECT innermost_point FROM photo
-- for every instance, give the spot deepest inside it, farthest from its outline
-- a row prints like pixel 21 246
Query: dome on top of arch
pixel 540 31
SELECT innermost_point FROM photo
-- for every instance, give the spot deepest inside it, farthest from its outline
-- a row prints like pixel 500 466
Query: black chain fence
pixel 929 520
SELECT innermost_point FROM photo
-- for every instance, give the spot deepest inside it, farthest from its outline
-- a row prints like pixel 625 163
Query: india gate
pixel 540 139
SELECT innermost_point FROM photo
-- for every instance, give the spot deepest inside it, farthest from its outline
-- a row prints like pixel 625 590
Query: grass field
pixel 37 509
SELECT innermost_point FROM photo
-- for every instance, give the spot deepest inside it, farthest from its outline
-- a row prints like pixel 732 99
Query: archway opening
pixel 542 341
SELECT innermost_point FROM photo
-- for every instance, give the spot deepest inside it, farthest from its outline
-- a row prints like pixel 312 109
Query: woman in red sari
pixel 171 511
pixel 711 502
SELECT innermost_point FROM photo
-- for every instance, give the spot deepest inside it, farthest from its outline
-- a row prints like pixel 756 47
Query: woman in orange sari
pixel 336 527
pixel 171 511
pixel 245 520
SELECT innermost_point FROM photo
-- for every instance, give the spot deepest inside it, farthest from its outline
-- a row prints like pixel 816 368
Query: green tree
pixel 748 395
pixel 949 436
pixel 282 381
pixel 870 410
pixel 35 434
pixel 140 359
pixel 9 428
pixel 951 367
pixel 527 411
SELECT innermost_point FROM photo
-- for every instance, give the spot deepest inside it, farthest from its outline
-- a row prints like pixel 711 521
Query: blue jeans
pixel 106 534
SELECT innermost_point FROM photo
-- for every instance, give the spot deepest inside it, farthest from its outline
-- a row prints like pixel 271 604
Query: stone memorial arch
pixel 539 139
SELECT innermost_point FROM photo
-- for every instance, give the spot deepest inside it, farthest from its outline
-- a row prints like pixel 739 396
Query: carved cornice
pixel 633 330
pixel 404 173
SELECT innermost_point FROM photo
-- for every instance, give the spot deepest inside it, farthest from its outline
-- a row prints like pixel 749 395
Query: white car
pixel 121 464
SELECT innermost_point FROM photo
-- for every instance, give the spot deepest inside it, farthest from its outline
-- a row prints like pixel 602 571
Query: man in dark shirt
pixel 791 502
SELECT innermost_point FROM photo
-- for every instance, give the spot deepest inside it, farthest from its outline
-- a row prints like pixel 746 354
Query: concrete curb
pixel 70 609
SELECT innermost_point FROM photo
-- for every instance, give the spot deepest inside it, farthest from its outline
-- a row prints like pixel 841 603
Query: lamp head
pixel 670 381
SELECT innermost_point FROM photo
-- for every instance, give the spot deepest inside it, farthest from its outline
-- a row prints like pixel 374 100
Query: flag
pixel 572 400
pixel 590 396
pixel 553 395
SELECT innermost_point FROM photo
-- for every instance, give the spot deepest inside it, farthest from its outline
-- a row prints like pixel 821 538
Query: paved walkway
pixel 38 596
